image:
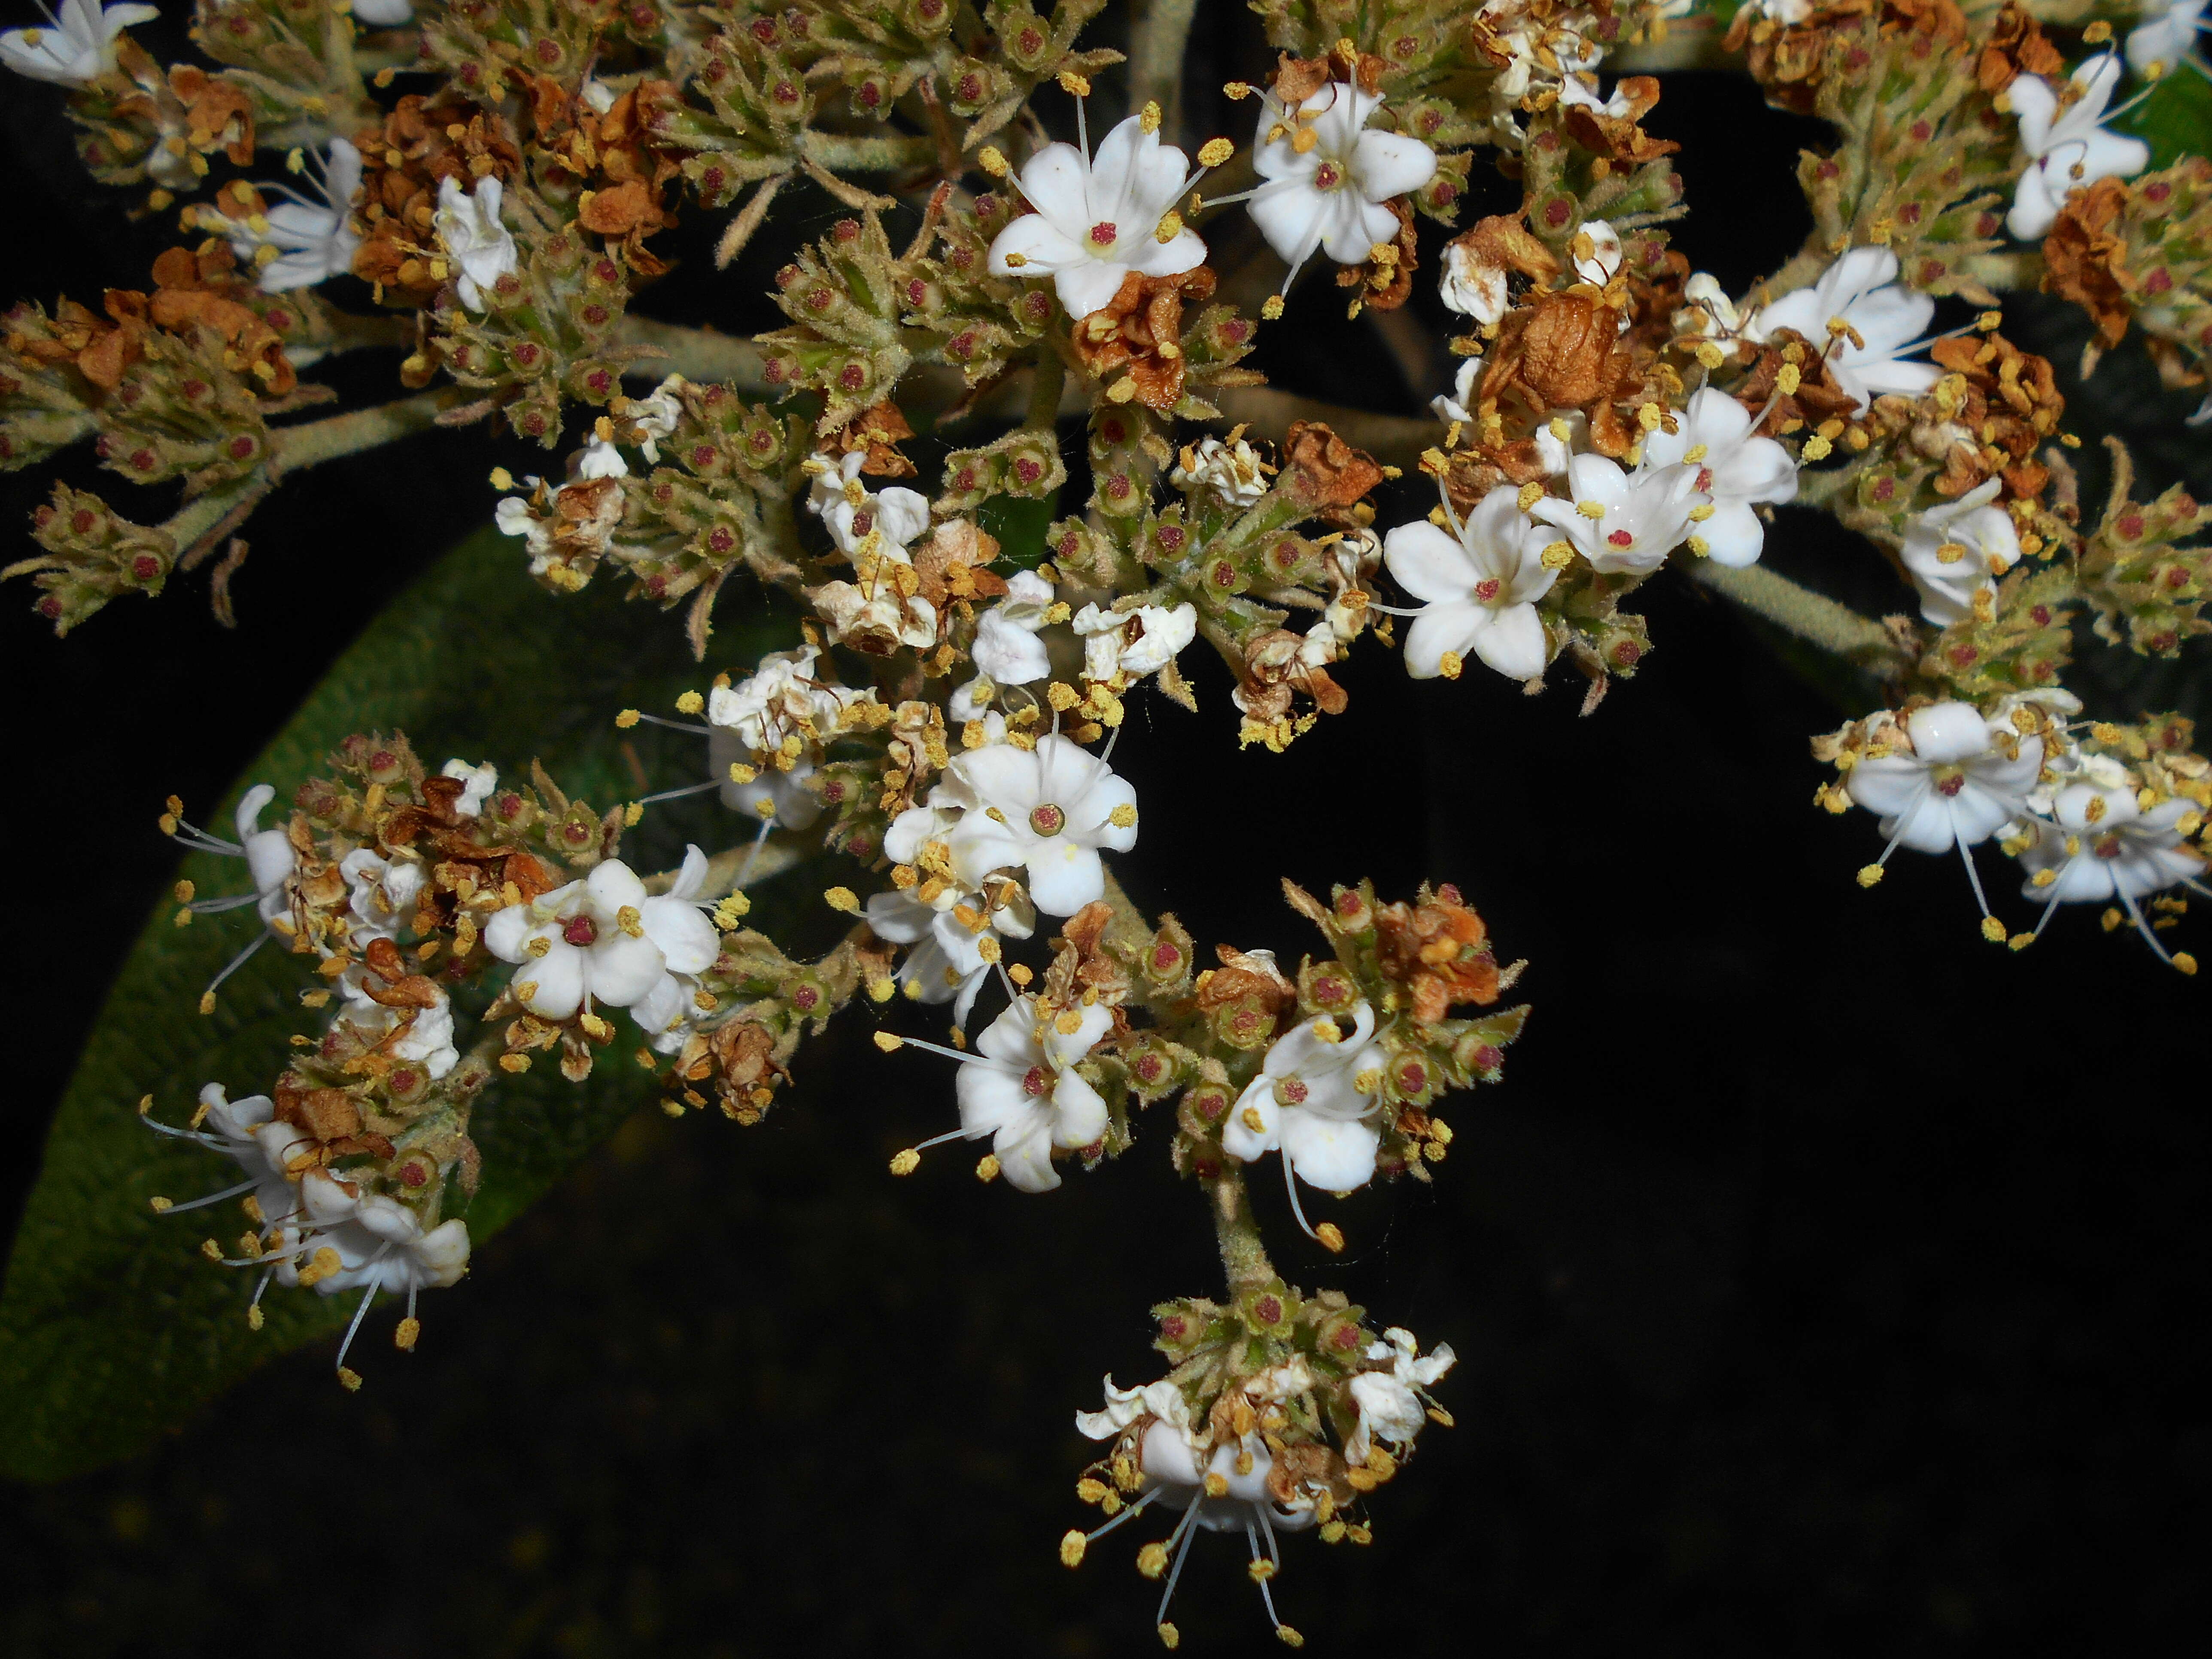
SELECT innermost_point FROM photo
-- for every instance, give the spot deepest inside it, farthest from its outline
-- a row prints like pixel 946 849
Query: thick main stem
pixel 1160 38
pixel 1812 617
pixel 1243 1257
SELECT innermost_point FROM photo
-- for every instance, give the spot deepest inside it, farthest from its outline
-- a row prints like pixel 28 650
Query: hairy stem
pixel 1159 37
pixel 1812 617
pixel 1243 1257
pixel 696 354
pixel 837 153
pixel 291 448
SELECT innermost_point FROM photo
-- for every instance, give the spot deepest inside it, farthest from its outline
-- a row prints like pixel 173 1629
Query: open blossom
pixel 1886 321
pixel 1733 471
pixel 1021 1088
pixel 602 939
pixel 1389 1396
pixel 1959 549
pixel 1231 472
pixel 1961 779
pixel 247 1132
pixel 310 241
pixel 779 700
pixel 79 47
pixel 1308 1104
pixel 477 782
pixel 480 245
pixel 268 853
pixel 1332 193
pixel 1707 312
pixel 380 895
pixel 1624 521
pixel 1479 582
pixel 870 616
pixel 1097 219
pixel 1007 646
pixel 2162 41
pixel 896 516
pixel 2101 844
pixel 1047 811
pixel 1134 642
pixel 651 417
pixel 380 1245
pixel 2067 147
pixel 947 962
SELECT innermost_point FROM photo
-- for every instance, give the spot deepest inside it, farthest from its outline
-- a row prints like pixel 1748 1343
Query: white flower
pixel 477 783
pixel 600 458
pixel 1959 549
pixel 1097 218
pixel 1133 643
pixel 381 895
pixel 379 1244
pixel 1624 521
pixel 2101 845
pixel 1328 175
pixel 1603 262
pixel 1021 1088
pixel 1479 584
pixel 1707 312
pixel 873 618
pixel 385 14
pixel 603 940
pixel 1231 472
pixel 429 1040
pixel 895 516
pixel 79 47
pixel 246 1131
pixel 947 964
pixel 2067 147
pixel 1580 92
pixel 2163 40
pixel 310 242
pixel 1162 1400
pixel 778 700
pixel 1047 811
pixel 1308 1104
pixel 479 243
pixel 654 418
pixel 1734 470
pixel 1471 289
pixel 1784 12
pixel 1007 646
pixel 1459 405
pixel 1389 1398
pixel 1952 777
pixel 1861 288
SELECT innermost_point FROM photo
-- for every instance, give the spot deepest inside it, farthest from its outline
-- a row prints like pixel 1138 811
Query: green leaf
pixel 2175 120
pixel 113 1328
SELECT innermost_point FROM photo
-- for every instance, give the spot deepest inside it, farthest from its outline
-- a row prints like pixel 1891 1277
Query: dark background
pixel 1825 1281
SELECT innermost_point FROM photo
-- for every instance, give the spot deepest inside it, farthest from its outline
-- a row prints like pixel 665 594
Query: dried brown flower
pixel 1437 948
pixel 1141 328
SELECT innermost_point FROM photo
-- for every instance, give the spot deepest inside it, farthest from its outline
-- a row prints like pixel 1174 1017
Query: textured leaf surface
pixel 113 1328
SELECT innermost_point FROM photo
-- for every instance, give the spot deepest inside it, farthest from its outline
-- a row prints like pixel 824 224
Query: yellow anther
pixel 882 990
pixel 1559 556
pixel 1993 930
pixel 1168 229
pixel 1214 151
pixel 1788 381
pixel 1331 1237
pixel 1123 816
pixel 1071 1545
pixel 987 1168
pixel 1451 665
pixel 1530 495
pixel 1073 84
pixel 1869 874
pixel 1148 119
pixel 1590 509
pixel 1289 1638
pixel 906 1162
pixel 1015 261
pixel 2184 961
pixel 1272 308
pixel 689 704
pixel 1217 1484
pixel 889 1040
pixel 842 898
pixel 405 1338
pixel 993 161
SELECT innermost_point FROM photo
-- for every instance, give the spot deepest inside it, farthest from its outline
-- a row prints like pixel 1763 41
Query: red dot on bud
pixel 1269 1310
pixel 145 566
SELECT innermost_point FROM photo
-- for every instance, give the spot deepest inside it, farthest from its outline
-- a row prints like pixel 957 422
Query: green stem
pixel 1159 37
pixel 1243 1257
pixel 1045 390
pixel 291 448
pixel 696 354
pixel 842 153
pixel 1814 617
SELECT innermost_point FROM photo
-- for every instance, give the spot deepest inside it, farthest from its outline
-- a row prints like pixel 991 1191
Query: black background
pixel 1825 1280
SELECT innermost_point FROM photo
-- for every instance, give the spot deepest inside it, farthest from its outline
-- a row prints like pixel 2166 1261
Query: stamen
pixel 1179 1541
pixel 678 794
pixel 1296 1209
pixel 692 726
pixel 206 997
pixel 359 1314
pixel 212 1198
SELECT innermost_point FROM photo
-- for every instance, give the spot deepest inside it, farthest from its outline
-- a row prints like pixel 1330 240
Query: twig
pixel 1159 38
pixel 1812 617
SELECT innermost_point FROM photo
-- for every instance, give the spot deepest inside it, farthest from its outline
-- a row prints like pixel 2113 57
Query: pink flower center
pixel 1705 480
pixel 1035 1081
pixel 1047 819
pixel 1327 177
pixel 863 522
pixel 1292 1092
pixel 1621 539
pixel 1103 233
pixel 1486 589
pixel 1950 786
pixel 580 930
pixel 2109 847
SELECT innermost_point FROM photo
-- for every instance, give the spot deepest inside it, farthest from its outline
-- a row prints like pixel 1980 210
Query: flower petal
pixel 1386 164
pixel 1065 876
pixel 1328 1153
pixel 1430 563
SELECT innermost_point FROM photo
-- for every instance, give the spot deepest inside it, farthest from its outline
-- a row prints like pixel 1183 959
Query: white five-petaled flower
pixel 2066 145
pixel 1161 1398
pixel 1624 521
pixel 1471 288
pixel 603 940
pixel 2101 844
pixel 1388 1396
pixel 1735 471
pixel 1328 176
pixel 1098 218
pixel 1953 777
pixel 476 784
pixel 1007 646
pixel 1480 583
pixel 380 895
pixel 895 516
pixel 654 417
pixel 2163 40
pixel 598 458
pixel 1707 312
pixel 1021 1088
pixel 380 1245
pixel 310 241
pixel 246 1131
pixel 1132 643
pixel 482 246
pixel 1047 811
pixel 1884 322
pixel 947 963
pixel 1959 549
pixel 79 46
pixel 1313 1101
